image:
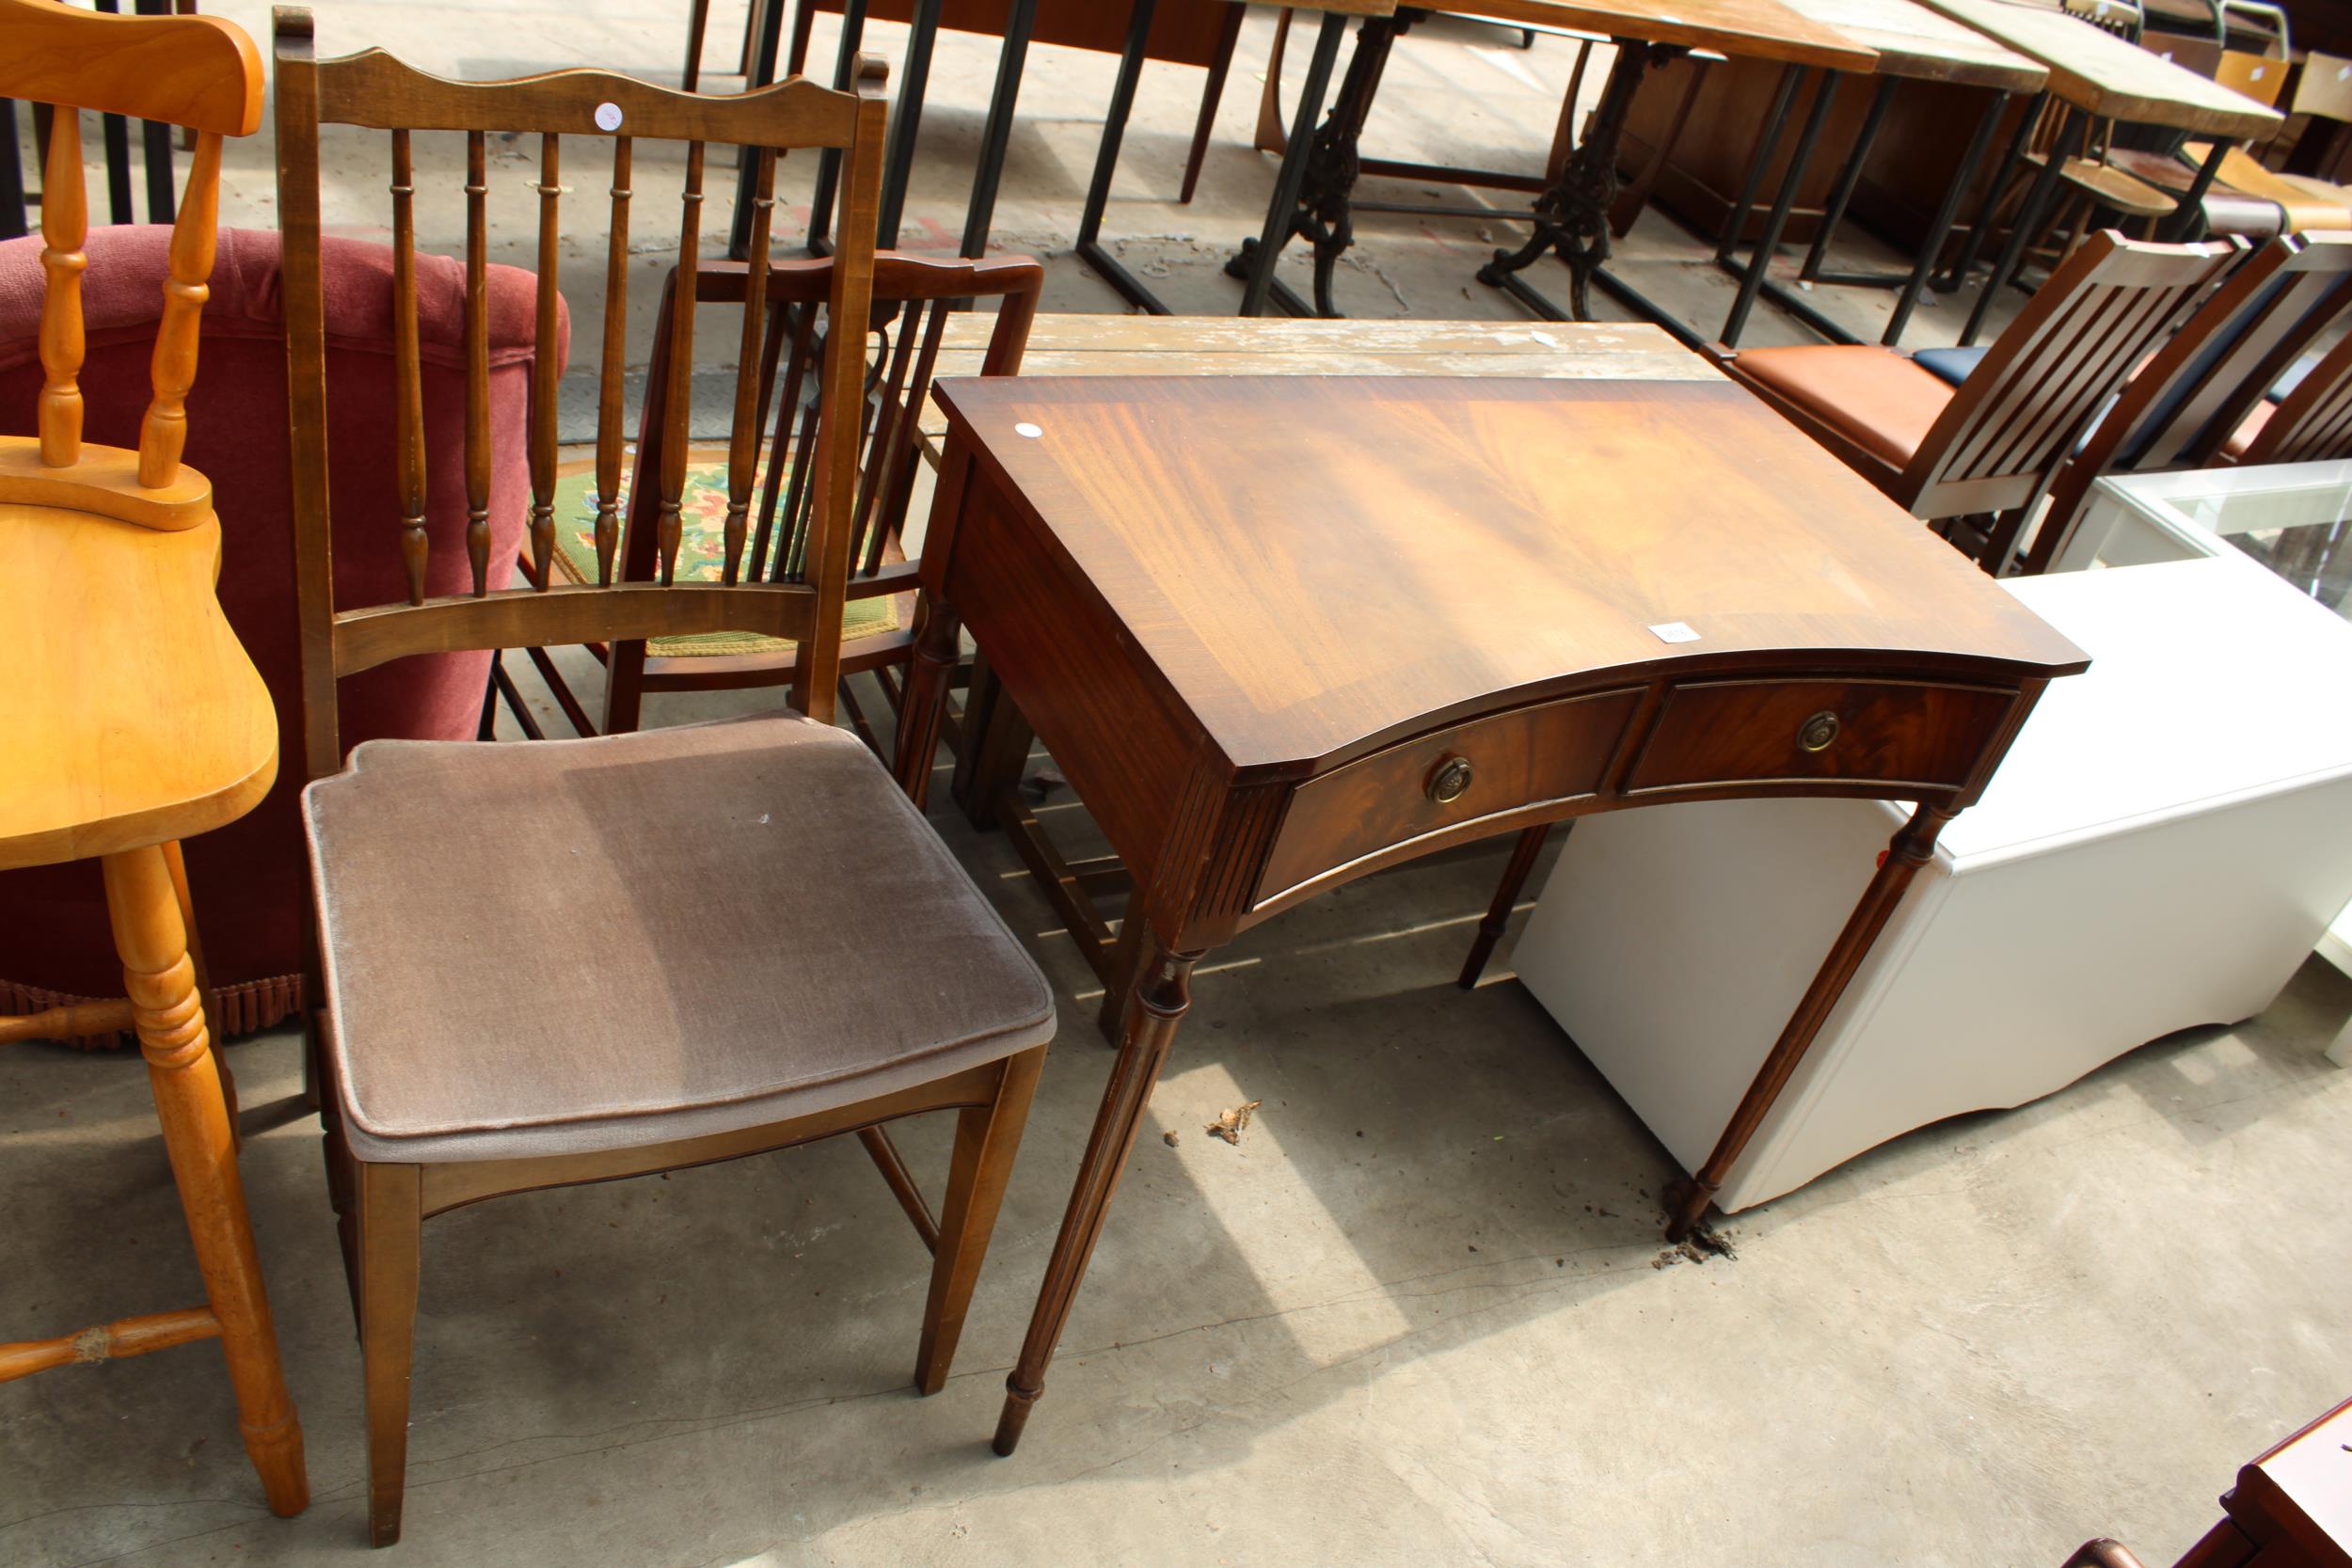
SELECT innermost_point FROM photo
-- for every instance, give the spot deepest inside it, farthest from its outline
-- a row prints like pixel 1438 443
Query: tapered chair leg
pixel 391 1226
pixel 152 937
pixel 987 1138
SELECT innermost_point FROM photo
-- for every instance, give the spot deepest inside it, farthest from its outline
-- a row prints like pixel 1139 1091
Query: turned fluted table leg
pixel 151 937
pixel 1914 843
pixel 1156 1008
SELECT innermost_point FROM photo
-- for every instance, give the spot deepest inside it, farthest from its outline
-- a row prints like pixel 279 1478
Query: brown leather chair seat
pixel 1859 396
pixel 795 939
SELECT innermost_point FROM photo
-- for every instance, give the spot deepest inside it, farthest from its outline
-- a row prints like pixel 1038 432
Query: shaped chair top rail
pixel 197 71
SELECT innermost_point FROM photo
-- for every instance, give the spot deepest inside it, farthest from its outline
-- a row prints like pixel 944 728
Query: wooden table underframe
pixel 1091 553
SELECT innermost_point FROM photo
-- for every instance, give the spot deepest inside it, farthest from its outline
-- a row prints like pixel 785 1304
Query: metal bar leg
pixel 2070 140
pixel 998 136
pixel 1090 247
pixel 1847 180
pixel 829 161
pixel 1946 212
pixel 13 221
pixel 1985 210
pixel 1807 139
pixel 906 122
pixel 762 72
pixel 2189 217
pixel 1752 184
pixel 1292 177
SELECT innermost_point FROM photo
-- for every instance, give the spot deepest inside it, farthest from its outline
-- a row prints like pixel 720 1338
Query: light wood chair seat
pixel 2110 187
pixel 761 869
pixel 133 716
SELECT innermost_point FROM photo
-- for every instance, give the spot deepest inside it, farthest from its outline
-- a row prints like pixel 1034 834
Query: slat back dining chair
pixel 134 717
pixel 2313 423
pixel 2182 408
pixel 1984 454
pixel 549 964
pixel 913 299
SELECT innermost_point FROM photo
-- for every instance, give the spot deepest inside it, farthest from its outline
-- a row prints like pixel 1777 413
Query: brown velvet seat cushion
pixel 1874 397
pixel 550 946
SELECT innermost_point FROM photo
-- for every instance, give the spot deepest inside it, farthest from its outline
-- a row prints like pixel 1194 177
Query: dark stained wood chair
pixel 1980 457
pixel 549 964
pixel 2311 423
pixel 913 298
pixel 2187 404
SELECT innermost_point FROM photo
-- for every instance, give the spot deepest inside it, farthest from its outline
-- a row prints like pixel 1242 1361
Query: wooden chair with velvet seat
pixel 133 717
pixel 913 299
pixel 1979 457
pixel 2188 405
pixel 572 962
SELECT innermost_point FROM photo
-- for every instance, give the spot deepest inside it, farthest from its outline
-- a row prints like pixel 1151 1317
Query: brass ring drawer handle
pixel 1448 781
pixel 1818 731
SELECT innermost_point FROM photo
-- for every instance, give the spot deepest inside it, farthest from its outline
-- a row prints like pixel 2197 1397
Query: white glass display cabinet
pixel 2163 848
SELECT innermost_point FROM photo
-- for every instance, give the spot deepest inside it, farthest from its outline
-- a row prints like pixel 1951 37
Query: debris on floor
pixel 1231 1124
pixel 1697 1247
pixel 1169 1138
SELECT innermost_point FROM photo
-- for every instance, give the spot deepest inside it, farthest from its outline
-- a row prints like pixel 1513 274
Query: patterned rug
pixel 702 547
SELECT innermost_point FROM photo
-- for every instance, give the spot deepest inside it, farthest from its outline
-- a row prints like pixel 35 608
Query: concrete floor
pixel 1420 1314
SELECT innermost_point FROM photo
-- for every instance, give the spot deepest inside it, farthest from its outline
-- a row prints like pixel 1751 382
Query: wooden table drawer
pixel 1881 732
pixel 1505 762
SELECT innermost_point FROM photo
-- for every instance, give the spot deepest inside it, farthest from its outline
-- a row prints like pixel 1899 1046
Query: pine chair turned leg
pixel 391 1223
pixel 204 986
pixel 987 1138
pixel 169 1013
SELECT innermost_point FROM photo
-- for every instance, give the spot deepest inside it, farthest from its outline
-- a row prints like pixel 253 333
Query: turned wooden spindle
pixel 408 379
pixel 478 361
pixel 678 396
pixel 743 439
pixel 543 365
pixel 64 225
pixel 163 433
pixel 608 383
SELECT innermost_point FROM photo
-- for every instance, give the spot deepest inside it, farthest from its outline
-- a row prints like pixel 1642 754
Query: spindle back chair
pixel 461 1065
pixel 2181 408
pixel 1999 443
pixel 375 90
pixel 134 717
pixel 912 297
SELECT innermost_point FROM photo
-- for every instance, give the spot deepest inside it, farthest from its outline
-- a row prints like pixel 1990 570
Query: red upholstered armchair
pixel 247 876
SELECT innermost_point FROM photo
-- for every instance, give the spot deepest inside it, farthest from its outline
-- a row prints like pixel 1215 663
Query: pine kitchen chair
pixel 578 961
pixel 134 717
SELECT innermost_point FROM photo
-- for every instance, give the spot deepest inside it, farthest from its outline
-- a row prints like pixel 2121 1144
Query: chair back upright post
pixel 2313 422
pixel 1999 443
pixel 2181 408
pixel 373 90
pixel 195 72
pixel 912 297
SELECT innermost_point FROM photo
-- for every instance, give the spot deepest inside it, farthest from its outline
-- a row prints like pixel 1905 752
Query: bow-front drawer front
pixel 1737 732
pixel 1505 763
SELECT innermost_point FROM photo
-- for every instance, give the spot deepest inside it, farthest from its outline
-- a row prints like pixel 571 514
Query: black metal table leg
pixel 155 146
pixel 1940 229
pixel 2190 217
pixel 1090 247
pixel 762 72
pixel 998 136
pixel 1753 282
pixel 14 221
pixel 1991 204
pixel 906 122
pixel 828 161
pixel 1848 178
pixel 1752 184
pixel 1282 212
pixel 1572 216
pixel 2068 142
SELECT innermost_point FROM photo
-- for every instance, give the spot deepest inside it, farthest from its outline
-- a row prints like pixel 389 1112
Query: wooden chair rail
pixel 151 1331
pixel 566 614
pixel 193 70
pixel 373 89
pixel 68 1022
